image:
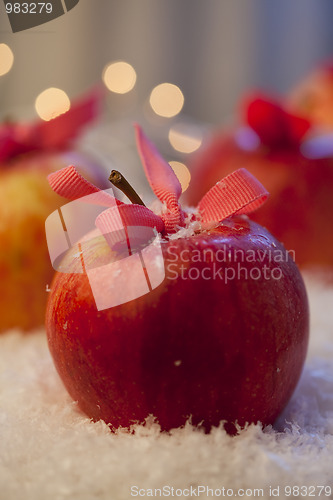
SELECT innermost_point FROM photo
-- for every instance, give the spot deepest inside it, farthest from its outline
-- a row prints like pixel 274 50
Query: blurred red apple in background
pixel 272 144
pixel 312 97
pixel 222 338
pixel 28 153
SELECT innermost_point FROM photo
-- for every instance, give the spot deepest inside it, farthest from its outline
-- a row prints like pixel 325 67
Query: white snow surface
pixel 49 450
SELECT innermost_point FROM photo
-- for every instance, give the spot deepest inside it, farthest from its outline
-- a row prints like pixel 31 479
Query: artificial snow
pixel 49 450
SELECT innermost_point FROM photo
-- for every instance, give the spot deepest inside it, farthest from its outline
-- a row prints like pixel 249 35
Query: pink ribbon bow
pixel 238 193
pixel 56 134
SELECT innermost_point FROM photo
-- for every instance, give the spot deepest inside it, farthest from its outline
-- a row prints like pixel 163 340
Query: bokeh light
pixel 185 138
pixel 247 138
pixel 182 172
pixel 6 59
pixel 166 100
pixel 52 102
pixel 119 77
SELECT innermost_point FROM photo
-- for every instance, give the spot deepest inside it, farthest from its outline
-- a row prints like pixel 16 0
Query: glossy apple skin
pixel 26 201
pixel 198 348
pixel 301 203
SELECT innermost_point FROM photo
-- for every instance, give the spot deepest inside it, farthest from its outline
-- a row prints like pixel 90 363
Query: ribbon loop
pixel 116 218
pixel 238 193
pixel 160 175
pixel 128 226
pixel 68 183
pixel 162 180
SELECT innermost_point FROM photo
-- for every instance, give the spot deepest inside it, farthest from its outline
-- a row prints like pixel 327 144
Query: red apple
pixel 273 146
pixel 222 338
pixel 27 154
pixel 312 97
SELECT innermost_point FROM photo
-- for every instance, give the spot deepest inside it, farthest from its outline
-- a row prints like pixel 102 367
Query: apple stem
pixel 118 180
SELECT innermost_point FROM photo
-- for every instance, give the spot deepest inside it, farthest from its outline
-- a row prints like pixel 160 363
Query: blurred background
pixel 209 52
